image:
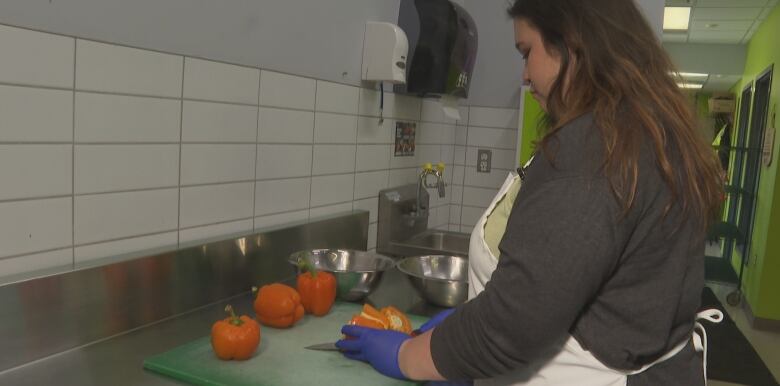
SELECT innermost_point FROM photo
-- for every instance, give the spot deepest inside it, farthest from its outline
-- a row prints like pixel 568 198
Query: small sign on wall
pixel 769 141
pixel 769 146
pixel 404 138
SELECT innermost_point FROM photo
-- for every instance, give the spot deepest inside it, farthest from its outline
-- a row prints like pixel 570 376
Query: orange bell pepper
pixel 318 291
pixel 398 321
pixel 234 337
pixel 278 305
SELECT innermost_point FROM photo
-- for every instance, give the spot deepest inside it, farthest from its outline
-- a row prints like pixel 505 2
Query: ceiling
pixel 721 21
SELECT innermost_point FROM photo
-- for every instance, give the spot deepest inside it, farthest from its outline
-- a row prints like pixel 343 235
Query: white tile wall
pixel 324 211
pixel 287 91
pixel 401 107
pixel 489 128
pixel 215 81
pixel 61 258
pixel 326 190
pixel 35 225
pixel 493 117
pixel 433 133
pixel 493 138
pixel 107 168
pixel 369 184
pixel 402 176
pixel 28 171
pixel 370 130
pixel 373 157
pixel 372 229
pixel 470 215
pixel 478 196
pixel 371 205
pixel 201 205
pixel 21 119
pixel 495 178
pixel 337 98
pixel 333 159
pixel 120 215
pixel 212 163
pixel 218 122
pixel 35 58
pixel 296 161
pixel 119 118
pixel 277 196
pixel 334 128
pixel 432 112
pixel 111 68
pixel 158 150
pixel 197 235
pixel 286 126
pixel 91 252
pixel 277 220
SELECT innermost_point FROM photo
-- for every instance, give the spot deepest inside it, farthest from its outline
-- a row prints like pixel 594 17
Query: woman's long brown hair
pixel 618 70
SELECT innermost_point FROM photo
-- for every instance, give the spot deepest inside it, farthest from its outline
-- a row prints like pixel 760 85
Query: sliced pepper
pixel 278 305
pixel 370 317
pixel 362 321
pixel 234 337
pixel 397 320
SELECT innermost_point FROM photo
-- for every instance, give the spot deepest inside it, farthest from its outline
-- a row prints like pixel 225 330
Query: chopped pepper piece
pixel 397 320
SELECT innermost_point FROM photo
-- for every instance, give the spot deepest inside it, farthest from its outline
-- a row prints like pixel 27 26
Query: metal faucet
pixel 428 169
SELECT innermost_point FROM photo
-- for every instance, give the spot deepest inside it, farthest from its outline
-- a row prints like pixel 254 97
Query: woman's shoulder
pixel 575 150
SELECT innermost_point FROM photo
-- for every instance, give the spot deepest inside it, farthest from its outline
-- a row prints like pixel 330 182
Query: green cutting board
pixel 281 359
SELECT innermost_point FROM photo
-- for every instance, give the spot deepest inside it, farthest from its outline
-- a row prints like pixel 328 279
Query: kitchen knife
pixel 330 346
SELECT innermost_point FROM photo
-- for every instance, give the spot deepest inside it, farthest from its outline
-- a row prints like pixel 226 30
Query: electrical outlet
pixel 484 158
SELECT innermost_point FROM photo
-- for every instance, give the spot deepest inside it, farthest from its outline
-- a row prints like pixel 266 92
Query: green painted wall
pixel 762 276
pixel 532 115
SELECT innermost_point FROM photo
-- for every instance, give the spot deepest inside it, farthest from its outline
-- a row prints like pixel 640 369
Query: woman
pixel 601 263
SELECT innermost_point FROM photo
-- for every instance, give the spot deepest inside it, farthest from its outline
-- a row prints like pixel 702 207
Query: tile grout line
pixel 355 168
pixel 73 164
pixel 181 139
pixel 463 178
pixel 257 149
pixel 311 169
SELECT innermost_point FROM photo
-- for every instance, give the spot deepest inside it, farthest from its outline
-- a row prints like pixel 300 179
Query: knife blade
pixel 330 346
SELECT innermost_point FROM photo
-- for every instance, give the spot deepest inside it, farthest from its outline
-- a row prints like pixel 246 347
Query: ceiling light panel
pixel 676 18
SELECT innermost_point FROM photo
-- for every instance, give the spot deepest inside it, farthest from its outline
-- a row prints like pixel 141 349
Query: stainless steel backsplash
pixel 44 316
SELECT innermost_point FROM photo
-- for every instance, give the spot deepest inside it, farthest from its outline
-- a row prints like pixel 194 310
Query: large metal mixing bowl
pixel 357 272
pixel 439 279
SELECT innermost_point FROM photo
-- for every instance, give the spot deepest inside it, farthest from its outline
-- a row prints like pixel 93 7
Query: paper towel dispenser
pixel 442 48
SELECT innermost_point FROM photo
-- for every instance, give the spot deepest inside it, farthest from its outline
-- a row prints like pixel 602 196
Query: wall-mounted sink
pixel 432 242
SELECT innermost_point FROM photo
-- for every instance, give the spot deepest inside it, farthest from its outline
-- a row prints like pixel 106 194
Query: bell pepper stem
pixel 234 320
pixel 306 265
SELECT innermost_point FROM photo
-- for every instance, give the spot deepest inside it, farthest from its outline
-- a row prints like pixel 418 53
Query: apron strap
pixel 699 341
pixel 700 334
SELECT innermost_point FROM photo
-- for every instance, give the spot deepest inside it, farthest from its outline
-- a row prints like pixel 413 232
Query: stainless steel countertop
pixel 118 360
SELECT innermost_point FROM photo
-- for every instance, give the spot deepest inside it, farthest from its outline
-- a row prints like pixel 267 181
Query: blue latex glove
pixel 435 320
pixel 377 347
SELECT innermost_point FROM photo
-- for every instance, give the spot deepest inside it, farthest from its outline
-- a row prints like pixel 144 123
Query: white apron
pixel 568 363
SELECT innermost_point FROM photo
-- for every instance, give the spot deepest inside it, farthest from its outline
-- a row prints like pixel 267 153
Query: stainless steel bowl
pixel 357 273
pixel 439 279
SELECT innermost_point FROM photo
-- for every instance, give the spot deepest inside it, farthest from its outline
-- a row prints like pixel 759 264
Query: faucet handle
pixel 440 167
pixel 428 167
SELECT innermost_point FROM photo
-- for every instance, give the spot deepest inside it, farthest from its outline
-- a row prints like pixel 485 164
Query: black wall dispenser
pixel 442 48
